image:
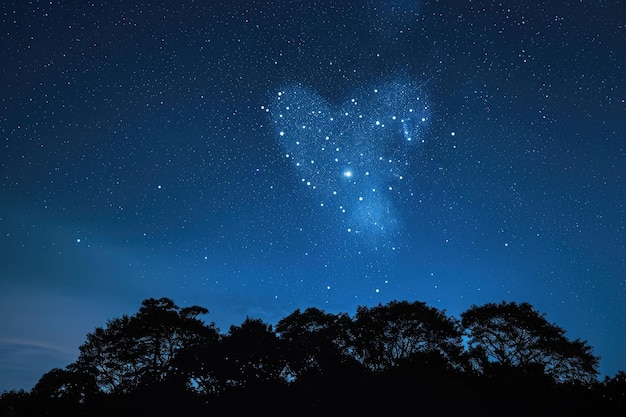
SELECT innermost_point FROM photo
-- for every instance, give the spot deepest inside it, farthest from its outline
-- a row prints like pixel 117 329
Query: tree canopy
pixel 140 350
pixel 384 335
pixel 165 359
pixel 516 335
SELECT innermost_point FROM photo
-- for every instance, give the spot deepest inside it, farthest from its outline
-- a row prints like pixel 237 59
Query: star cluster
pixel 354 158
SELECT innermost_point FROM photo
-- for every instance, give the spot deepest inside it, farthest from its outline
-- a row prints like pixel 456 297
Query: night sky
pixel 263 156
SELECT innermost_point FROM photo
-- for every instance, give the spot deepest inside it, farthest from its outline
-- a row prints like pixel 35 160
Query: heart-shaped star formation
pixel 351 158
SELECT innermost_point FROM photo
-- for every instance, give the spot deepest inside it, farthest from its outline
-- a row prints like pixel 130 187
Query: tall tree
pixel 384 335
pixel 111 355
pixel 162 329
pixel 315 341
pixel 63 392
pixel 252 354
pixel 140 350
pixel 614 391
pixel 66 385
pixel 516 335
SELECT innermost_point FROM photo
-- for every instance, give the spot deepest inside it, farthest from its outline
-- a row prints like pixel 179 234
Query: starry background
pixel 255 157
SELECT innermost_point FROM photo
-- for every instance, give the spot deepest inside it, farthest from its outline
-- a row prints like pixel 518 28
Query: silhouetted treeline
pixel 402 357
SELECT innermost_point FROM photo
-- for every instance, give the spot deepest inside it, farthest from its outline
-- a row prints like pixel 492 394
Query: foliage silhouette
pixel 316 343
pixel 164 360
pixel 384 335
pixel 516 335
pixel 140 350
pixel 252 355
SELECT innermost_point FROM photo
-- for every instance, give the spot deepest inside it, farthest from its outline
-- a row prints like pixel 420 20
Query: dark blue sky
pixel 255 157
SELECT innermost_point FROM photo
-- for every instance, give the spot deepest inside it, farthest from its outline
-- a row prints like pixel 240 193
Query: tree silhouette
pixel 16 403
pixel 614 390
pixel 315 342
pixel 384 335
pixel 140 350
pixel 66 385
pixel 200 362
pixel 110 355
pixel 516 335
pixel 63 392
pixel 251 355
pixel 162 329
pixel 164 360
